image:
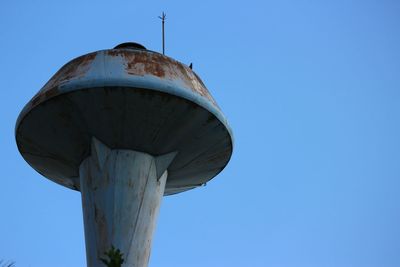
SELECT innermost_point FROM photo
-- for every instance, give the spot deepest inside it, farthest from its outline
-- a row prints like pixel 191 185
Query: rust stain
pixel 139 62
pixel 116 52
pixel 131 183
pixel 43 95
pixel 81 67
pixel 143 63
pixel 136 62
pixel 72 70
pixel 100 219
pixel 51 92
pixel 149 63
pixel 193 81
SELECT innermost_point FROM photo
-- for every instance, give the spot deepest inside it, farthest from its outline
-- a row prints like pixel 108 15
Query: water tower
pixel 124 126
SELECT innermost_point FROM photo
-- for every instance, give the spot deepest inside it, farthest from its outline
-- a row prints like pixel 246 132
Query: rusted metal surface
pixel 131 99
pixel 121 197
pixel 134 62
pixel 66 73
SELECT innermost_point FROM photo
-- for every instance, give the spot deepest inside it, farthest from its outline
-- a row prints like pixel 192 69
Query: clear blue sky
pixel 312 92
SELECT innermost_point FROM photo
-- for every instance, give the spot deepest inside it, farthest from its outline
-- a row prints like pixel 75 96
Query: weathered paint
pixel 131 99
pixel 121 196
pixel 121 67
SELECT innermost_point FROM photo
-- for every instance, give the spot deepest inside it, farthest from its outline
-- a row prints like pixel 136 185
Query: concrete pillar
pixel 121 196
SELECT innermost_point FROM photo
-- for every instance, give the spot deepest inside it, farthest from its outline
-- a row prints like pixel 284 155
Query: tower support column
pixel 121 196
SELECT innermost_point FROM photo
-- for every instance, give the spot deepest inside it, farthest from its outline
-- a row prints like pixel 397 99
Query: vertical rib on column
pixel 121 196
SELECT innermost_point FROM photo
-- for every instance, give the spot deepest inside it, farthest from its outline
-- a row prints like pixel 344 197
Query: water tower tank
pixel 124 126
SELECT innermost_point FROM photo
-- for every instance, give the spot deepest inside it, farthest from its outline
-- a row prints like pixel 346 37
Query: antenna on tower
pixel 162 17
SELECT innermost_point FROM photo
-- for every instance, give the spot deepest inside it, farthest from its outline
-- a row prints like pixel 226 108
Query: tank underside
pixel 55 136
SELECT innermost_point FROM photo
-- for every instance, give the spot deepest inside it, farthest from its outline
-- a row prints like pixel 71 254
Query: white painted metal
pixel 121 196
